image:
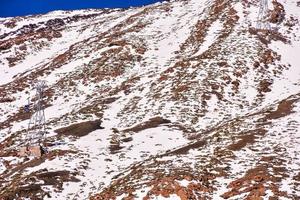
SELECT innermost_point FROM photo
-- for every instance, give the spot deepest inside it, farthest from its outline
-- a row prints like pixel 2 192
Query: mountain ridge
pixel 163 101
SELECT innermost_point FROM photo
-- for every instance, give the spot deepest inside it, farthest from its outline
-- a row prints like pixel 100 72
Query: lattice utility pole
pixel 36 131
pixel 262 20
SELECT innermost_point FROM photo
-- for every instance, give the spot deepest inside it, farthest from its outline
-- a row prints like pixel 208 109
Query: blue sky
pixel 10 8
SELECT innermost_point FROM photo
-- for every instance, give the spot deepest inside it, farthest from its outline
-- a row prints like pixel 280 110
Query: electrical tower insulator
pixel 36 131
pixel 262 20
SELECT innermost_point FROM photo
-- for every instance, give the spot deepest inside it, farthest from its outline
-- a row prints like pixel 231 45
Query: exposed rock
pixel 187 93
pixel 80 129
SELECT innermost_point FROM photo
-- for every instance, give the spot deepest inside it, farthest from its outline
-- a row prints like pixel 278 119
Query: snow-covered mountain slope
pixel 183 99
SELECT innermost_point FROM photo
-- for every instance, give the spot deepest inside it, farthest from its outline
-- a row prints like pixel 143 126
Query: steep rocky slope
pixel 183 99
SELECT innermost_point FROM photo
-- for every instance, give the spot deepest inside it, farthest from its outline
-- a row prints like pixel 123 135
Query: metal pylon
pixel 262 19
pixel 36 131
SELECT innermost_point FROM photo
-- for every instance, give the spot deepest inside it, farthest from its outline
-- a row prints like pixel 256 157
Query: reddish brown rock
pixel 35 151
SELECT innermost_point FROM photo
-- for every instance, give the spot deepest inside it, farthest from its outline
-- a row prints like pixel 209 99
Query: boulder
pixel 36 151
